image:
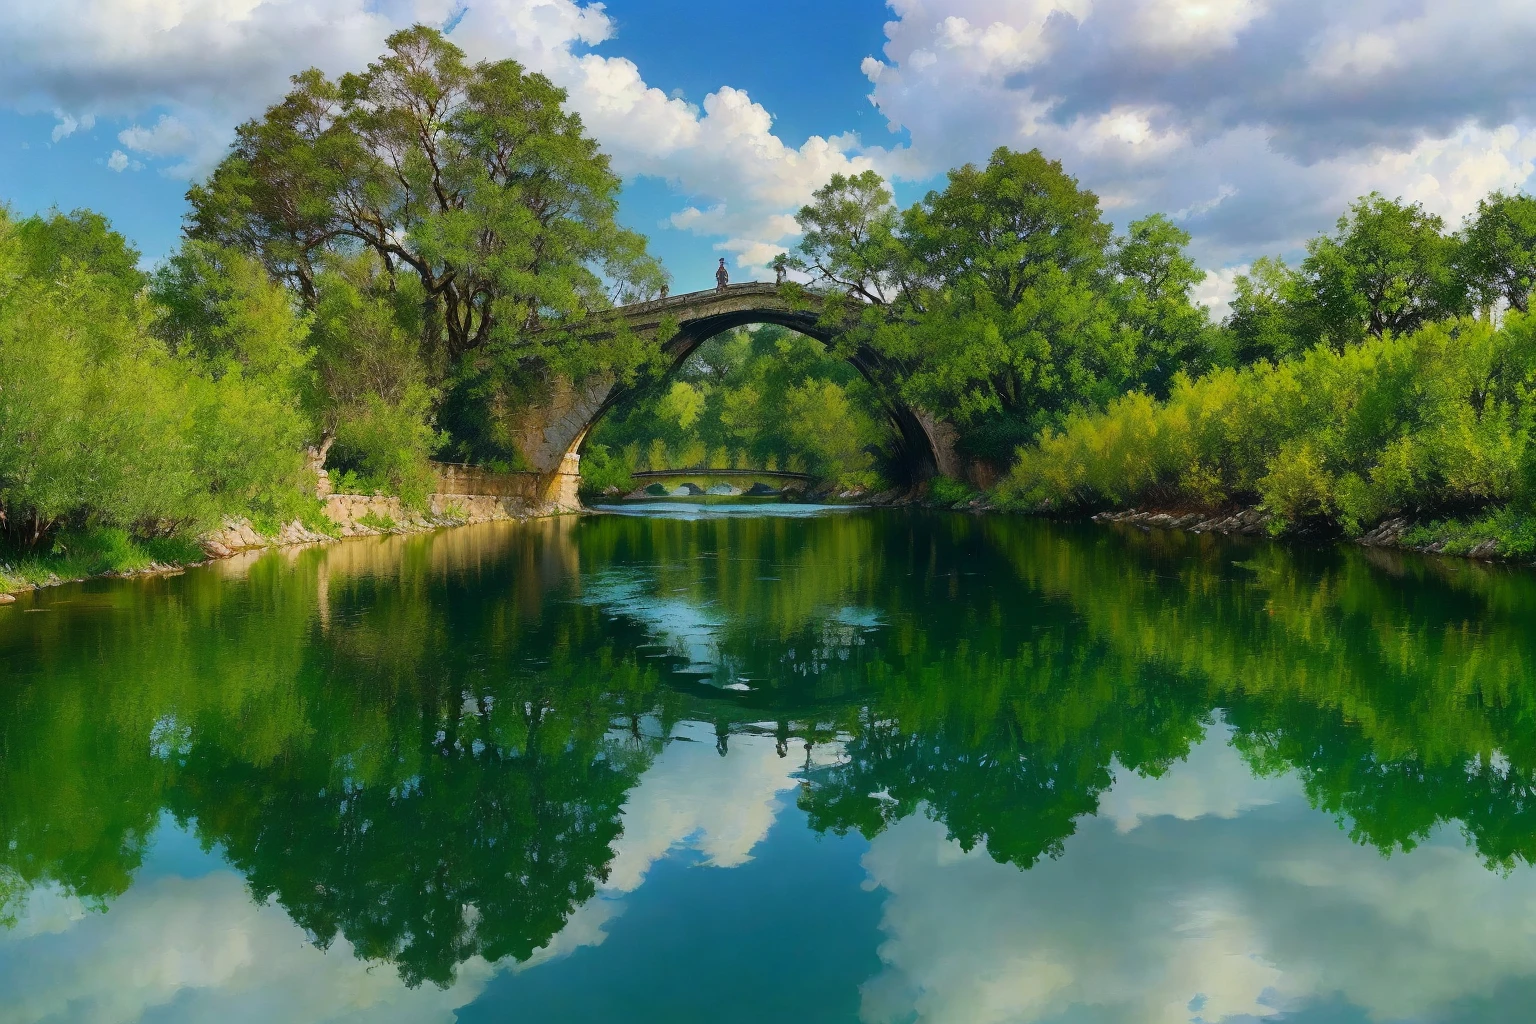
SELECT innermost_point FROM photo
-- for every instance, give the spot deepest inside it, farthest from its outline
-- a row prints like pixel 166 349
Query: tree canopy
pixel 473 179
pixel 1004 300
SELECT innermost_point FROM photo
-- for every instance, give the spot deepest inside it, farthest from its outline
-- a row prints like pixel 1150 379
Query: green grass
pixel 384 524
pixel 94 552
pixel 1514 530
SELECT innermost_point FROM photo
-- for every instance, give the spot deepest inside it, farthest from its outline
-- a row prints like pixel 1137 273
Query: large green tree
pixel 1155 278
pixel 1389 268
pixel 471 178
pixel 1498 257
pixel 1002 302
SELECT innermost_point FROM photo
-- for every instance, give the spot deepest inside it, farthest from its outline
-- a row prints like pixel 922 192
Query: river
pixel 682 764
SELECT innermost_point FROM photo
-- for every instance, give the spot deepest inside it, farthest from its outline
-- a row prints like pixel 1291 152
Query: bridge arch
pixel 552 437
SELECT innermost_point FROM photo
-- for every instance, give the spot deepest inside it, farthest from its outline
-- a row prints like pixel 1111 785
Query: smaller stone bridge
pixel 751 474
pixel 704 481
pixel 551 436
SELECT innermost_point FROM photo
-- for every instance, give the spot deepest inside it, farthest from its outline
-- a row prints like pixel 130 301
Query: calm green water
pixel 757 765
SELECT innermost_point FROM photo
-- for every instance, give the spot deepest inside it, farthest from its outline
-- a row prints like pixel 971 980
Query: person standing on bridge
pixel 722 276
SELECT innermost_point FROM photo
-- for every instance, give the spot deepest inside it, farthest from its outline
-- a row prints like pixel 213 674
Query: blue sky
pixel 799 58
pixel 1253 123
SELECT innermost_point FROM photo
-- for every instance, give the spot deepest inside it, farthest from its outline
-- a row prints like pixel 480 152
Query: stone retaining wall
pixel 466 494
pixel 454 478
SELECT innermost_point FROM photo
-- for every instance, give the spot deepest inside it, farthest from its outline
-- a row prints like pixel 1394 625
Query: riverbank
pixel 108 554
pixel 112 553
pixel 1493 539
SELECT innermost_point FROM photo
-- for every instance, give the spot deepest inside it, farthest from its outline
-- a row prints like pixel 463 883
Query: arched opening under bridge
pixel 552 437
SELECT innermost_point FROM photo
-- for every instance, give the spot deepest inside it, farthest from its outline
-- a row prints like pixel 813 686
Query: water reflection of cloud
pixel 197 948
pixel 691 799
pixel 1212 780
pixel 1204 903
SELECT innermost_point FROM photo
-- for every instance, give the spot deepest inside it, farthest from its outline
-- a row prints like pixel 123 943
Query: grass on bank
pixel 95 552
pixel 1513 531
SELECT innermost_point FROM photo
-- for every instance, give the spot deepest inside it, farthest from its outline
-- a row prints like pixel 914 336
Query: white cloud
pixel 1213 904
pixel 1216 291
pixel 120 161
pixel 68 125
pixel 172 137
pixel 1256 120
pixel 1280 111
pixel 725 151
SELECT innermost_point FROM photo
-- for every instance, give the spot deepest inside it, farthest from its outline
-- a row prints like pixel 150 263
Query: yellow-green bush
pixel 103 424
pixel 1439 419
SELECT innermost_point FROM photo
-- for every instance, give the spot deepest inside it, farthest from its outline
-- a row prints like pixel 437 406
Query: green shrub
pixel 385 448
pixel 1439 419
pixel 946 491
pixel 105 424
pixel 602 468
pixel 373 521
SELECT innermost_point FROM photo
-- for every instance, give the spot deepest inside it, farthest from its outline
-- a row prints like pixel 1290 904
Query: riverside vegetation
pixel 388 266
pixel 380 270
pixel 1391 373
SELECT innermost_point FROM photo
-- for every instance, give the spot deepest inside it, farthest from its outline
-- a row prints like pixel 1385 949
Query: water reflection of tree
pixel 428 768
pixel 424 745
pixel 484 851
pixel 1400 690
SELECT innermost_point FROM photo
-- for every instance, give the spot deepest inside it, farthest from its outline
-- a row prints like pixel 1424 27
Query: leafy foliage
pixel 1003 302
pixel 1439 419
pixel 763 399
pixel 116 411
pixel 472 180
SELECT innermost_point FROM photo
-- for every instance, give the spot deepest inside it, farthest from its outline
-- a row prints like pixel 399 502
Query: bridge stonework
pixel 550 435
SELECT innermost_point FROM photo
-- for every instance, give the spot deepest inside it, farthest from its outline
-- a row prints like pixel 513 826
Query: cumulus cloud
pixel 1256 121
pixel 1212 906
pixel 208 64
pixel 68 125
pixel 724 151
pixel 1253 121
pixel 172 137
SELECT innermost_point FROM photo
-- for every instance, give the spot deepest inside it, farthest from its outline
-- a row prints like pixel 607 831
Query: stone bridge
pixel 551 436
